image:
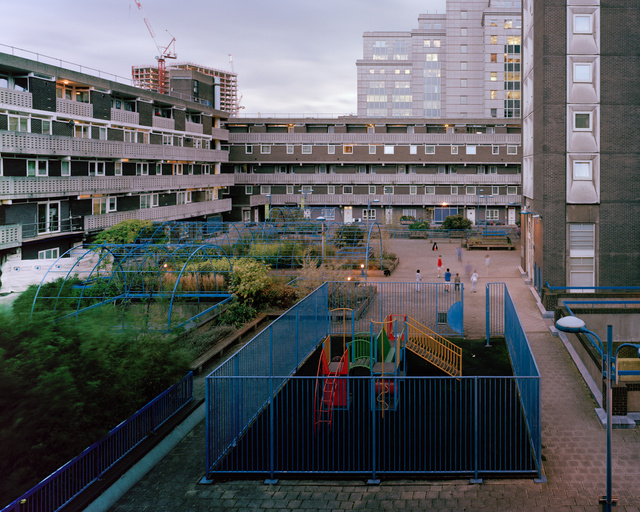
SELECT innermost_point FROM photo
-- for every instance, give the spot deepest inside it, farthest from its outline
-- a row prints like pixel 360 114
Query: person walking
pixel 456 281
pixel 459 253
pixel 434 247
pixel 487 262
pixel 447 280
pixel 439 265
pixel 418 279
pixel 474 281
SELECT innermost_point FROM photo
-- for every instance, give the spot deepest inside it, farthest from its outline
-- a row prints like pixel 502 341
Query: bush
pixel 456 222
pixel 420 225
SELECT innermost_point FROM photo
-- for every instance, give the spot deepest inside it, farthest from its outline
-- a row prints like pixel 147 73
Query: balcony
pixel 220 134
pixel 16 98
pixel 46 145
pixel 377 179
pixel 10 236
pixel 74 108
pixel 163 123
pixel 376 138
pixel 160 214
pixel 362 200
pixel 124 116
pixel 26 188
pixel 193 127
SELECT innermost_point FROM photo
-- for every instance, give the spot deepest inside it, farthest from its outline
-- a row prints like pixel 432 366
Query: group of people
pixel 473 276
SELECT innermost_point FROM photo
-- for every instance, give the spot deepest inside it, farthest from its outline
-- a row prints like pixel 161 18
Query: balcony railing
pixel 375 138
pixel 124 116
pixel 25 188
pixel 164 123
pixel 193 127
pixel 384 199
pixel 10 236
pixel 377 179
pixel 35 144
pixel 16 98
pixel 160 214
pixel 220 134
pixel 74 108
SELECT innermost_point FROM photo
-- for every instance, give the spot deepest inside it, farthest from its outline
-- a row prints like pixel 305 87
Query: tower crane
pixel 236 100
pixel 165 52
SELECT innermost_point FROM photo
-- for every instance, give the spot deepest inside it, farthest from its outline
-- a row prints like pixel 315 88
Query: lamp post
pixel 574 325
pixel 321 219
pixel 268 214
pixel 369 206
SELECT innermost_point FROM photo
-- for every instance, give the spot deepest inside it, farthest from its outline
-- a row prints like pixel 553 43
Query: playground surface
pixel 574 442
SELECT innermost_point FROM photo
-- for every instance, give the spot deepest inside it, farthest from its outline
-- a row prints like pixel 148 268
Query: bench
pixel 492 241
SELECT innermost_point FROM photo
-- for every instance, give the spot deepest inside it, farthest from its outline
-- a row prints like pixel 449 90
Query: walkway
pixel 574 443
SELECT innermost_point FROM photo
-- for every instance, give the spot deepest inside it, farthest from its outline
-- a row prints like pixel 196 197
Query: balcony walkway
pixel 574 443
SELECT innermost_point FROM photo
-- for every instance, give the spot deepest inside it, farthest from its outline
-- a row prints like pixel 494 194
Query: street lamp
pixel 322 219
pixel 486 208
pixel 368 207
pixel 268 213
pixel 574 325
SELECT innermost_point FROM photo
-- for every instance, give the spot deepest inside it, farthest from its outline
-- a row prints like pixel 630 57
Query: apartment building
pixel 146 77
pixel 580 160
pixel 385 169
pixel 79 153
pixel 464 64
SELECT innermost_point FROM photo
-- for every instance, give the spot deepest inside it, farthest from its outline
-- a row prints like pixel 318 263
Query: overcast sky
pixel 291 56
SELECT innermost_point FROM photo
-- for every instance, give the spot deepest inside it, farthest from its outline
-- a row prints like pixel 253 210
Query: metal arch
pixel 186 263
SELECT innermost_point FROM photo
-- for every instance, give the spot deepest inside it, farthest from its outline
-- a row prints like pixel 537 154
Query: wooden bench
pixel 491 242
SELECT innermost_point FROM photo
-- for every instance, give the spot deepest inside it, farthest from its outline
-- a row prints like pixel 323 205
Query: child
pixel 474 281
pixel 439 265
pixel 456 280
pixel 418 279
pixel 447 280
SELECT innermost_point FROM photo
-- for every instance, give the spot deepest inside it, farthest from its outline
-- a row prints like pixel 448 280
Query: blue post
pixel 487 316
pixel 608 504
pixel 475 479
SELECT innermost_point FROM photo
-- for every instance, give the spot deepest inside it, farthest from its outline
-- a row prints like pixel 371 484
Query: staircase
pixel 433 348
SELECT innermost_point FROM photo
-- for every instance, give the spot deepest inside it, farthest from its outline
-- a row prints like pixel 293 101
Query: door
pixel 348 214
pixel 471 215
pixel 388 216
pixel 512 217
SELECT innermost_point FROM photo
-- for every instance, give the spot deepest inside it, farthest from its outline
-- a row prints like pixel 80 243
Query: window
pixel 582 170
pixel 494 95
pixel 454 150
pixel 206 169
pixel 389 150
pixel 46 127
pixel 430 150
pixel 452 169
pixel 582 72
pixel 37 168
pixel 413 190
pixel 463 100
pixel 413 150
pixel 429 190
pixel 248 149
pixel 495 191
pixel 493 169
pixel 480 169
pixel 117 168
pixel 494 40
pixel 436 43
pixel 362 169
pixel 402 169
pixel 494 76
pixel 471 150
pixel 148 201
pixel 142 169
pixel 331 189
pixel 463 48
pixel 48 217
pixel 494 57
pixel 167 140
pixel 372 150
pixel 492 214
pixel 129 135
pixel 177 169
pixel 209 195
pixel 290 149
pixel 442 169
pixel 347 189
pixel 322 169
pixel 582 121
pixel 248 190
pixel 307 149
pixel 306 189
pixel 189 169
pixel 470 191
pixel 372 189
pixel 265 149
pixel 508 24
pixel 463 32
pixel 494 112
pixel 347 149
pixel 463 15
pixel 183 197
pixel 82 131
pixel 409 213
pixel 49 254
pixel 101 205
pixel 65 168
pixel 281 169
pixel 19 123
pixel 265 189
pixel 331 150
pixel 369 214
pixel 512 191
pixel 582 24
pixel 454 190
pixel 512 150
pixel 495 150
pixel 463 82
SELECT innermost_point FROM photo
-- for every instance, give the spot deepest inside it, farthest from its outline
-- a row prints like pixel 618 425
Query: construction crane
pixel 165 52
pixel 236 100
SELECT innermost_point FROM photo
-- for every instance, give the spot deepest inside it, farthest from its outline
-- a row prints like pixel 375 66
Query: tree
pixel 348 236
pixel 124 232
pixel 456 222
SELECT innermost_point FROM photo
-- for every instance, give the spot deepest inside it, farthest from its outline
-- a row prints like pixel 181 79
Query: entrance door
pixel 471 215
pixel 512 217
pixel 348 214
pixel 388 216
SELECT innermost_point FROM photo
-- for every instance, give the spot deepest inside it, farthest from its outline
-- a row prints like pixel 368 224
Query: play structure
pixel 380 353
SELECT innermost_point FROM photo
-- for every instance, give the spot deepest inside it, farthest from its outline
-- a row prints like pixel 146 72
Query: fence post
pixel 487 313
pixel 476 434
pixel 373 480
pixel 272 462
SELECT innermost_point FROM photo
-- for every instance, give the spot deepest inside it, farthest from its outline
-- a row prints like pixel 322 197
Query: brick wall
pixel 43 94
pixel 101 105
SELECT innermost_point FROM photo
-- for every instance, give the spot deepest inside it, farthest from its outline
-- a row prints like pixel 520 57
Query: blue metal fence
pixel 495 310
pixel 78 474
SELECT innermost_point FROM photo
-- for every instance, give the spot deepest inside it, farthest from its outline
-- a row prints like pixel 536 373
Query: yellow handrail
pixel 446 355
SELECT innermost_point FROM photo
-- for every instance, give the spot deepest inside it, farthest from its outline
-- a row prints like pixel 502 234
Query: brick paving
pixel 574 442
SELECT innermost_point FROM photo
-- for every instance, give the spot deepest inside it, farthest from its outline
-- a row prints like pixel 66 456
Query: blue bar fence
pixel 69 481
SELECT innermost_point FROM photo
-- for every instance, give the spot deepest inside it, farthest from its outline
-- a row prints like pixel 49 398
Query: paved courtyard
pixel 574 442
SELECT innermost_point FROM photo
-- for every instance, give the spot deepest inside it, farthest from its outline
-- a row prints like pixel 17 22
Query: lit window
pixel 582 121
pixel 582 72
pixel 494 76
pixel 494 57
pixel 436 43
pixel 494 39
pixel 582 24
pixel 347 149
pixel 454 150
pixel 582 170
pixel 508 24
pixel 494 95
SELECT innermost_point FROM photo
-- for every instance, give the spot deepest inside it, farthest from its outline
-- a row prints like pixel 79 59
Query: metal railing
pixel 78 474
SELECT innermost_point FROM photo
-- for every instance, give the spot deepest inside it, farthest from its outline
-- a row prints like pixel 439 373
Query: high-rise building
pixel 581 182
pixel 462 64
pixel 146 77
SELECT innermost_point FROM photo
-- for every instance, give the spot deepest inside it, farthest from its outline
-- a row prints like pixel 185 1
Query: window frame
pixel 347 189
pixel 430 150
pixel 589 116
pixel 55 253
pixel 454 150
pixel 577 177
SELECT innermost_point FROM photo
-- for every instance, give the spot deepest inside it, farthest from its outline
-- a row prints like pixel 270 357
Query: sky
pixel 291 56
